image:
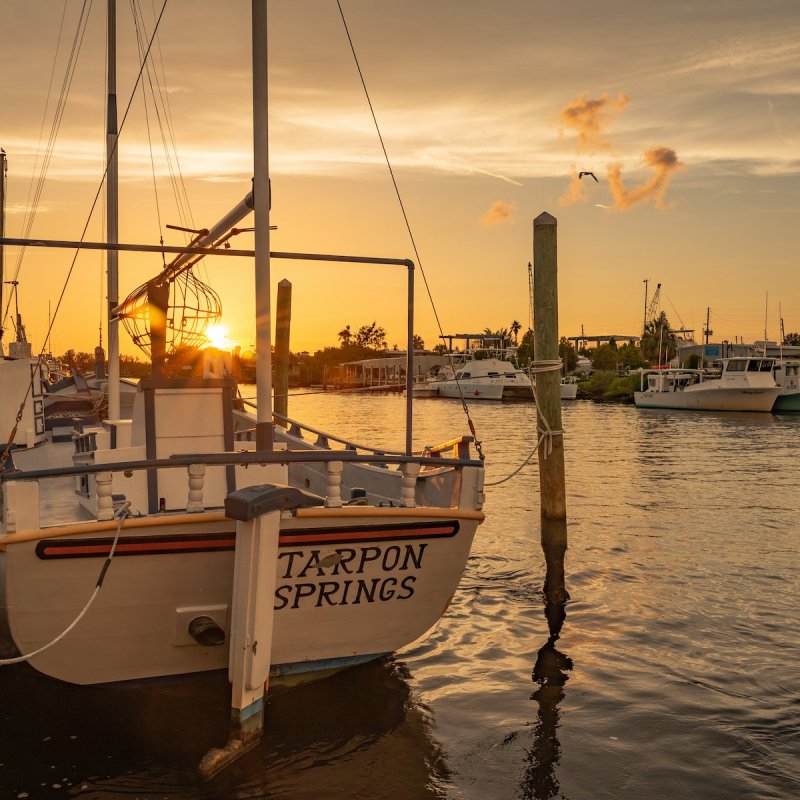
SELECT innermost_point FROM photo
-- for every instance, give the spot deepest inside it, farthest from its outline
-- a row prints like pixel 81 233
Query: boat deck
pixel 58 503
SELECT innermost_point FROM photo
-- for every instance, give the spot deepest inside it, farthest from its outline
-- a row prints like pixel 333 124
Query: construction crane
pixel 652 309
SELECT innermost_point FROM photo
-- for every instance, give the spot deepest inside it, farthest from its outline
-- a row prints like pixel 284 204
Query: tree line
pixel 658 345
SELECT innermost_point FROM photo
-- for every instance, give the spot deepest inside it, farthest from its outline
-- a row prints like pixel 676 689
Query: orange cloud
pixel 663 161
pixel 588 117
pixel 500 213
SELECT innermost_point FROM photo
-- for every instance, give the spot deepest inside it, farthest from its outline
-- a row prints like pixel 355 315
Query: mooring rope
pixel 122 514
pixel 546 433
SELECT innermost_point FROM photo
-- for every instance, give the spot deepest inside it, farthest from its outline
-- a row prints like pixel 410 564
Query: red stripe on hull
pixel 226 542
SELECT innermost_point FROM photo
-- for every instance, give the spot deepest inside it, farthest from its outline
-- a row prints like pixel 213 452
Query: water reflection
pixel 540 781
pixel 360 731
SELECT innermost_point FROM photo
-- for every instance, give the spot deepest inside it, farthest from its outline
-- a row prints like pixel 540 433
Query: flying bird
pixel 581 174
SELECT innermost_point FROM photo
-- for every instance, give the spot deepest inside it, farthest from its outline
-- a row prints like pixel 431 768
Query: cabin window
pixel 736 366
pixel 465 375
pixel 766 366
pixel 791 371
pixel 753 365
pixel 494 374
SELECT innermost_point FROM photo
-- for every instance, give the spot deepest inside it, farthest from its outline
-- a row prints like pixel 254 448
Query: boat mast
pixel 112 217
pixel 261 202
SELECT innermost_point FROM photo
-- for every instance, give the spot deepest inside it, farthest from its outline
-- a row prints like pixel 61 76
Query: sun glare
pixel 217 336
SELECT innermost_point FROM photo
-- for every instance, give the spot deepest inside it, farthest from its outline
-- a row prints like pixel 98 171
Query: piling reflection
pixel 550 672
pixel 344 731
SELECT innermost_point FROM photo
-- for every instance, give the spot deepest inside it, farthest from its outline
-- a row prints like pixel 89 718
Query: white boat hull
pixel 351 584
pixel 712 399
pixel 569 391
pixel 470 390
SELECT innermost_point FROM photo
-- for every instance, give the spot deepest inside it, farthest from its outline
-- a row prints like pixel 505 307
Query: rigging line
pixel 4 662
pixel 408 224
pixel 168 156
pixel 168 140
pixel 44 119
pixel 168 116
pixel 683 325
pixel 149 137
pixel 55 126
pixel 120 127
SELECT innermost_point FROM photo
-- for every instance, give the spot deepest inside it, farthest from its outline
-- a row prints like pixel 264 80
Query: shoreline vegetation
pixel 614 369
pixel 603 386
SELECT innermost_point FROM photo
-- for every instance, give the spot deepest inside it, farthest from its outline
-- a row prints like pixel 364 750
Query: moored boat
pixel 219 539
pixel 569 388
pixel 485 372
pixel 745 384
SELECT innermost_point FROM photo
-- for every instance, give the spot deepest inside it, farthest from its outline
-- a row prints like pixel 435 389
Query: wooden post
pixel 283 318
pixel 552 485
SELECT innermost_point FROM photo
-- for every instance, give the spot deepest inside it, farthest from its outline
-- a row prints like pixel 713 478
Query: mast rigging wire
pixel 55 126
pixel 34 372
pixel 408 225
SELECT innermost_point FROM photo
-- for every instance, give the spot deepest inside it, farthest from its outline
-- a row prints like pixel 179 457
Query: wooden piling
pixel 552 484
pixel 283 318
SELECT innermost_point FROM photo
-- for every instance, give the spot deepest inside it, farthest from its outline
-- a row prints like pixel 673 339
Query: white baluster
pixel 105 503
pixel 409 487
pixel 333 497
pixel 197 474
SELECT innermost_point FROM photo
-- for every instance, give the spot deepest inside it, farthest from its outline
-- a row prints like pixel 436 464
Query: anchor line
pixel 122 514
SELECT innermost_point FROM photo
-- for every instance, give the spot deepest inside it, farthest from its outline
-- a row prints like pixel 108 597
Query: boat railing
pixel 295 428
pixel 670 371
pixel 245 457
pixel 20 488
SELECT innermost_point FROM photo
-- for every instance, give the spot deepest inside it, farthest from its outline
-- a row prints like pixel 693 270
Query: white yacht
pixel 745 384
pixel 482 374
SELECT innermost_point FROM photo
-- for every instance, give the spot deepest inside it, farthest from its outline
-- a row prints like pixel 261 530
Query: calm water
pixel 672 672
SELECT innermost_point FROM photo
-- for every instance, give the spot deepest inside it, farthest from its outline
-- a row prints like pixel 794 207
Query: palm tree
pixel 659 343
pixel 345 336
pixel 515 329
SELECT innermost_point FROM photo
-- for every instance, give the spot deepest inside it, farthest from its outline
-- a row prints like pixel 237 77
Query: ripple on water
pixel 675 674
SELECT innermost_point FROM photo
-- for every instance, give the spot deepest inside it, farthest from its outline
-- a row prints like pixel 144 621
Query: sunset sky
pixel 687 113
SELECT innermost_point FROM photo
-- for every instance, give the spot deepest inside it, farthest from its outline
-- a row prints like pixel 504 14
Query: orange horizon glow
pixel 688 127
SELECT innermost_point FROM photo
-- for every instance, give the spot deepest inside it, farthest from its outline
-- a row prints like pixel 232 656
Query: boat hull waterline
pixel 366 584
pixel 717 399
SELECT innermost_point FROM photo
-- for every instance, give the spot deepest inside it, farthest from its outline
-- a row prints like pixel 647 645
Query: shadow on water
pixel 540 781
pixel 333 737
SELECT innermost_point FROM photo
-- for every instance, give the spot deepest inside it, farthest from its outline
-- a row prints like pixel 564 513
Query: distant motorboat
pixel 746 384
pixel 477 375
pixel 569 388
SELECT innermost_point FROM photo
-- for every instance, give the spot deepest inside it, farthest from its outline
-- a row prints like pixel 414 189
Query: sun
pixel 217 336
